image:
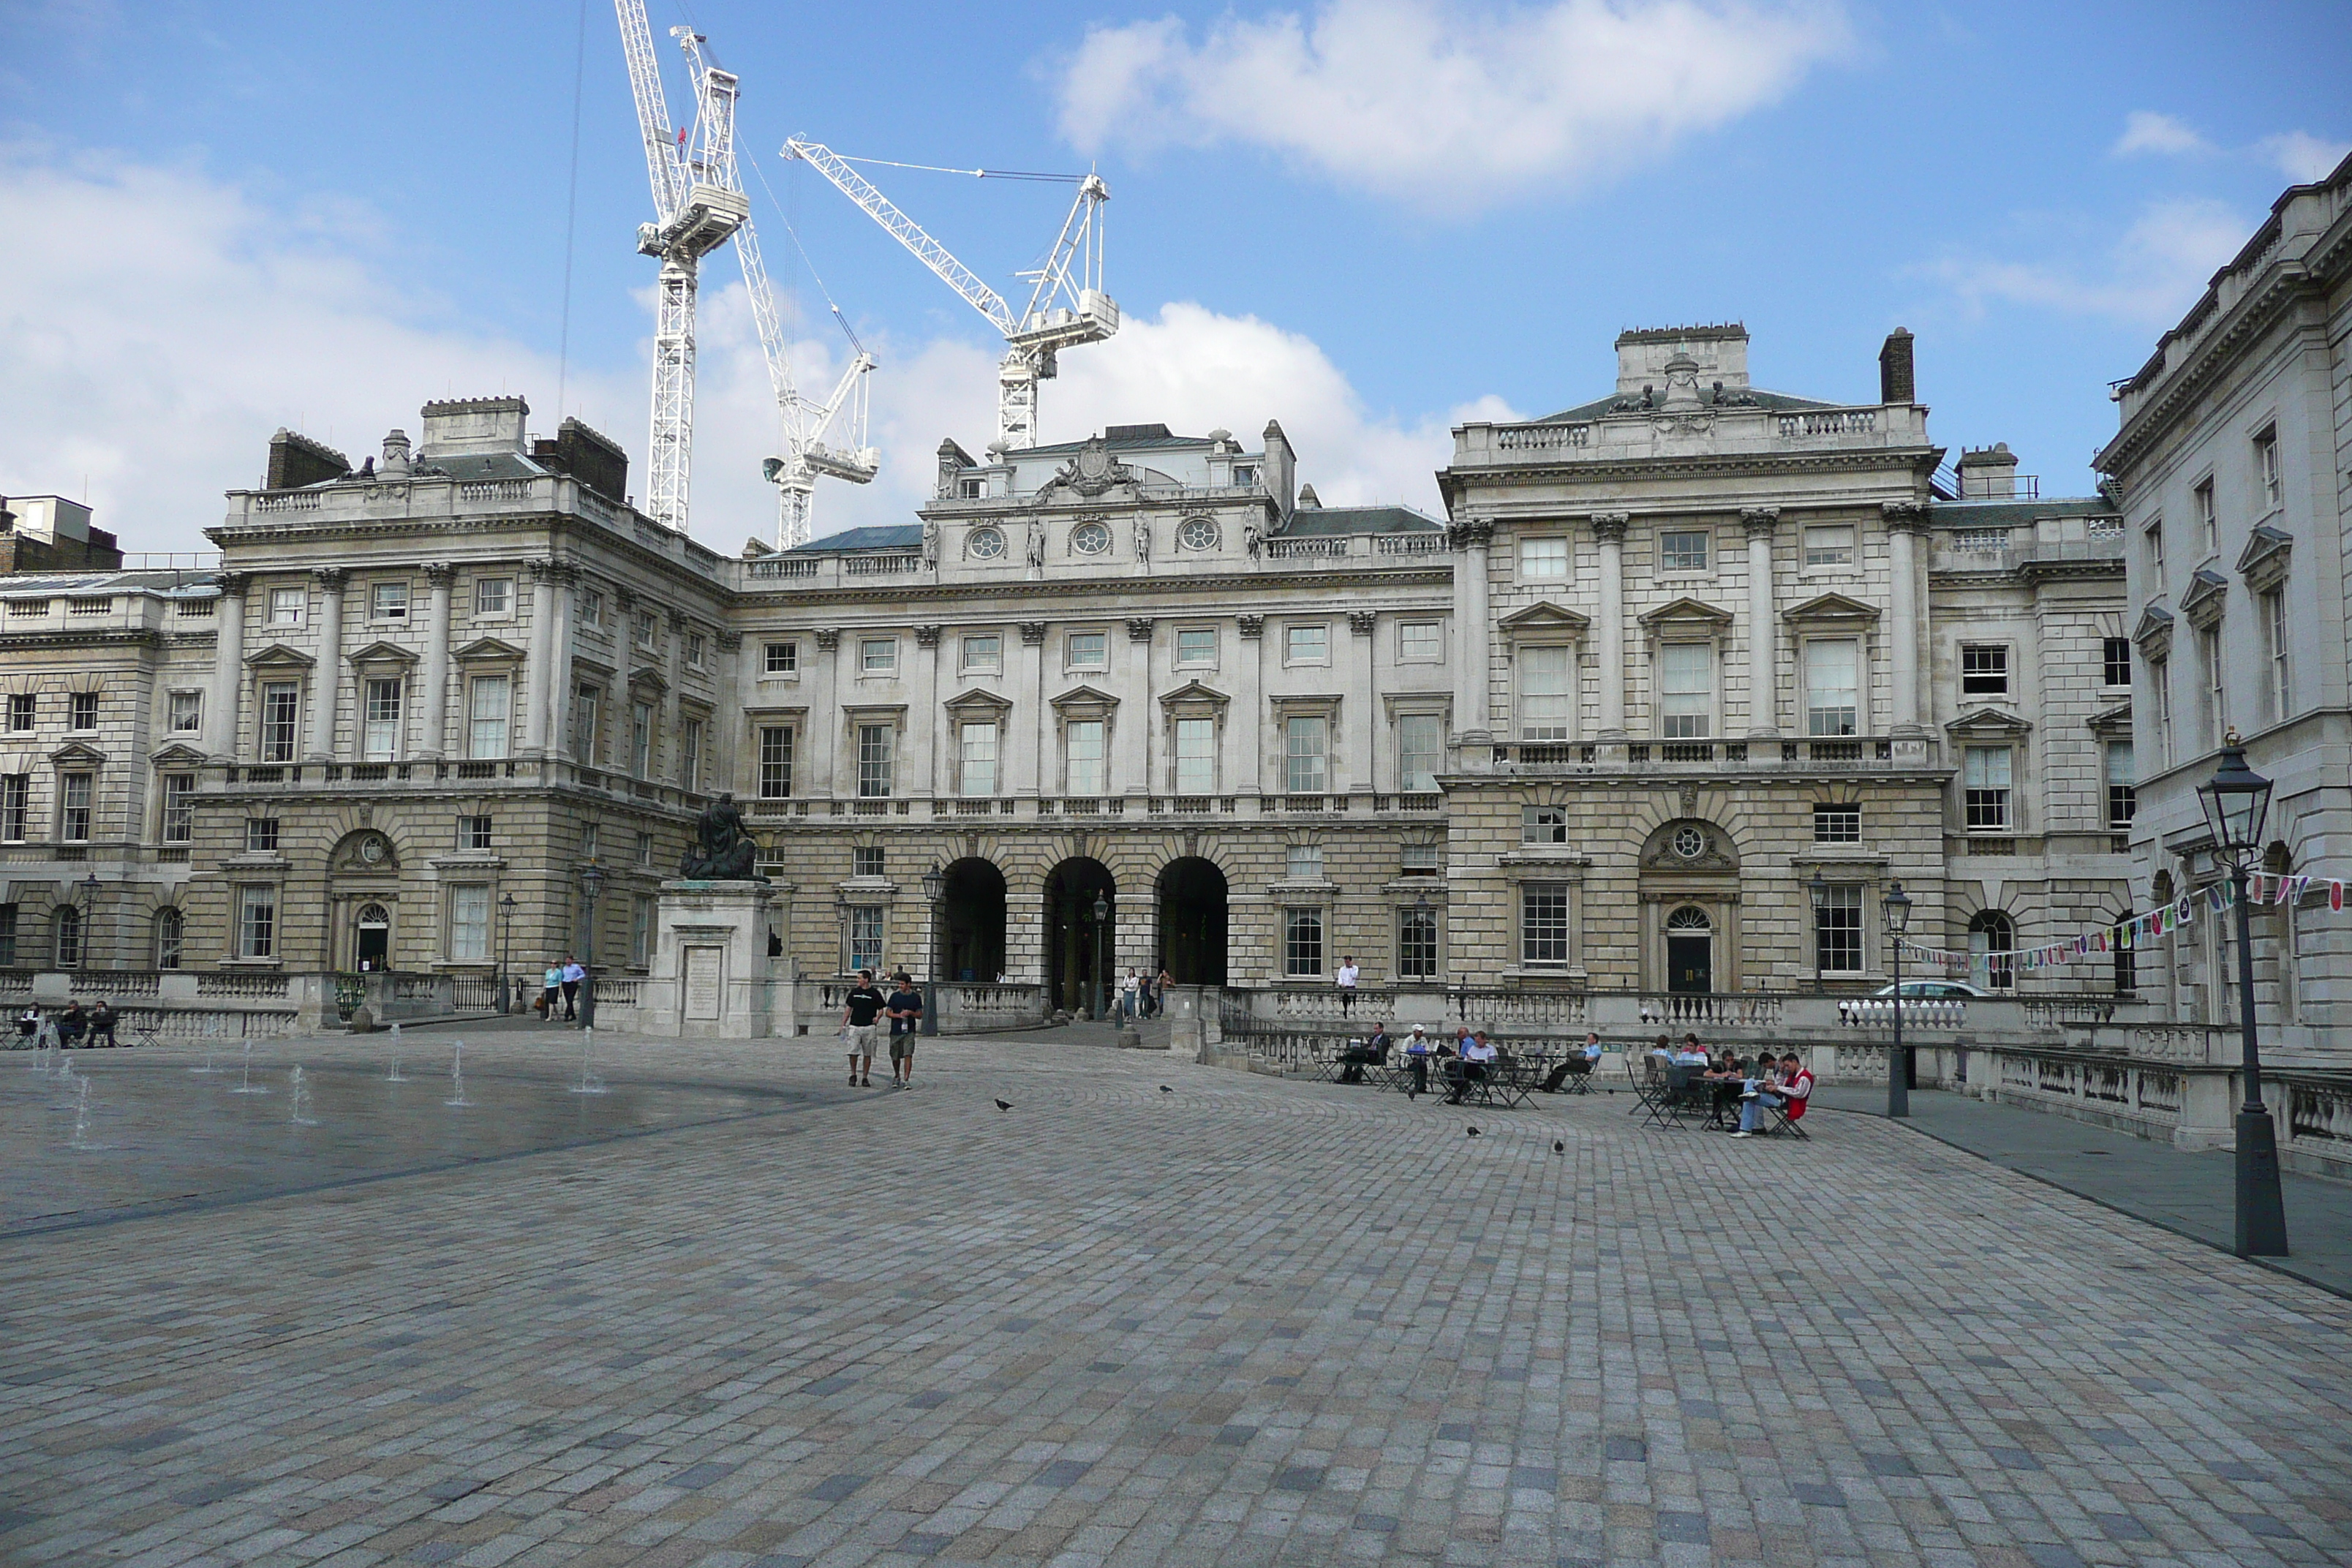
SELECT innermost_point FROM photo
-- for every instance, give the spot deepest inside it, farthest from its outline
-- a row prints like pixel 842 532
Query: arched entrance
pixel 1073 937
pixel 973 935
pixel 372 938
pixel 1192 922
pixel 1690 951
pixel 1990 932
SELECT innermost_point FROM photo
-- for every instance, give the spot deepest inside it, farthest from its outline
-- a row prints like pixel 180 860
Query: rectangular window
pixel 1417 860
pixel 1839 823
pixel 1832 686
pixel 1543 559
pixel 1547 692
pixel 257 923
pixel 2216 705
pixel 493 596
pixel 1196 756
pixel 487 723
pixel 388 601
pixel 689 755
pixel 1421 751
pixel 473 833
pixel 1829 544
pixel 20 711
pixel 587 703
pixel 2151 542
pixel 286 606
pixel 68 929
pixel 280 702
pixel 2274 630
pixel 1543 824
pixel 2115 661
pixel 781 658
pixel 261 835
pixel 469 923
pixel 2266 470
pixel 1302 942
pixel 81 711
pixel 1682 551
pixel 1543 925
pixel 2122 796
pixel 179 808
pixel 1305 744
pixel 380 737
pixel 775 761
pixel 8 937
pixel 644 848
pixel 1306 645
pixel 73 807
pixel 698 650
pixel 866 860
pixel 2209 518
pixel 1984 670
pixel 1305 863
pixel 591 608
pixel 1984 778
pixel 1088 650
pixel 16 806
pixel 873 760
pixel 1082 743
pixel 187 712
pixel 171 939
pixel 1196 648
pixel 985 654
pixel 1837 931
pixel 1422 641
pixel 640 630
pixel 641 739
pixel 1416 944
pixel 2159 687
pixel 1686 690
pixel 877 656
pixel 976 758
pixel 865 937
pixel 641 931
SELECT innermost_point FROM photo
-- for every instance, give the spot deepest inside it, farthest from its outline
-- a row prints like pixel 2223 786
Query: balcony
pixel 1800 756
pixel 1725 428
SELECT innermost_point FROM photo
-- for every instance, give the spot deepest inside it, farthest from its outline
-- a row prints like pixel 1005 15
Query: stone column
pixel 625 701
pixel 1135 695
pixel 437 576
pixel 228 661
pixel 1763 625
pixel 1363 747
pixel 726 737
pixel 1609 529
pixel 327 676
pixel 675 675
pixel 1473 626
pixel 1246 774
pixel 539 722
pixel 1904 520
pixel 926 722
pixel 826 737
pixel 559 661
pixel 1034 771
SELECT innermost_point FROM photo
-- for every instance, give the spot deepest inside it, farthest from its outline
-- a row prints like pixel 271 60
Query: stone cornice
pixel 1322 578
pixel 1920 460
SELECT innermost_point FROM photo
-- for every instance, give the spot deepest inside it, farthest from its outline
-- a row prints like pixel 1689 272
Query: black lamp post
pixel 934 888
pixel 592 883
pixel 1102 976
pixel 1820 889
pixel 1897 905
pixel 89 886
pixel 2236 801
pixel 506 948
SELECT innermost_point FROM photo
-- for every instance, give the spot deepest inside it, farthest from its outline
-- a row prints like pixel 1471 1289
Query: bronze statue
pixel 723 851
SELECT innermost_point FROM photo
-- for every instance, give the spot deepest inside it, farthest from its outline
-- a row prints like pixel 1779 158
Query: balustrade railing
pixel 1317 549
pixel 255 987
pixel 781 566
pixel 1540 437
pixel 879 565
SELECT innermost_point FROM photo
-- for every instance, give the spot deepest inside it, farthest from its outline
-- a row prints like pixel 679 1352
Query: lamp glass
pixel 1820 888
pixel 2237 801
pixel 933 883
pixel 1898 904
pixel 592 880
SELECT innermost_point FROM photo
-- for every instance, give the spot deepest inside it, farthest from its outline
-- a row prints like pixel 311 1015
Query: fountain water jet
pixel 395 1074
pixel 457 1075
pixel 298 1087
pixel 245 1082
pixel 81 1138
pixel 589 1082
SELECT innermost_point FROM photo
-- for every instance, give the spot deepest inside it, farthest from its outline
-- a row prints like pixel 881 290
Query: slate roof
pixel 1160 443
pixel 2015 513
pixel 896 536
pixel 192 583
pixel 1312 521
pixel 1600 406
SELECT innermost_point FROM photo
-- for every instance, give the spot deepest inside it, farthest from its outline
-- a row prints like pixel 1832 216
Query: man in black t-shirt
pixel 861 1008
pixel 905 1011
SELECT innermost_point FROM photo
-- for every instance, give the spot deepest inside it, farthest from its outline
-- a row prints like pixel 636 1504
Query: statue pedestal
pixel 710 977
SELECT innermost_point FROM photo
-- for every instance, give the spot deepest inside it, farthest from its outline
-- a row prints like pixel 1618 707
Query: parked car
pixel 1913 991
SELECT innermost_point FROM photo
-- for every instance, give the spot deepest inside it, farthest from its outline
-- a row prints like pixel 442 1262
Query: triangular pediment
pixel 1544 616
pixel 278 656
pixel 2153 635
pixel 1987 722
pixel 1085 697
pixel 179 753
pixel 385 653
pixel 488 648
pixel 1831 607
pixel 2264 563
pixel 1193 693
pixel 2115 720
pixel 646 677
pixel 73 754
pixel 978 700
pixel 1687 611
pixel 2204 599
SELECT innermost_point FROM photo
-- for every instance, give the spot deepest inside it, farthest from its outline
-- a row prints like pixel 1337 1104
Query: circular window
pixel 1689 843
pixel 1090 539
pixel 373 849
pixel 1690 917
pixel 983 544
pixel 1197 534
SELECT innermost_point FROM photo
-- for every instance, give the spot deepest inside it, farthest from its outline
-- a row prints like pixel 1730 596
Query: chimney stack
pixel 1895 383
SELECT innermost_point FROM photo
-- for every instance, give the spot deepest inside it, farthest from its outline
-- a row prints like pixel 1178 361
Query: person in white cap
pixel 1416 1060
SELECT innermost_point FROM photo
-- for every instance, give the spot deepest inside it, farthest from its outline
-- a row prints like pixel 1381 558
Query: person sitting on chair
pixel 1477 1060
pixel 1417 1050
pixel 101 1022
pixel 1796 1088
pixel 1576 1063
pixel 1372 1052
pixel 1729 1078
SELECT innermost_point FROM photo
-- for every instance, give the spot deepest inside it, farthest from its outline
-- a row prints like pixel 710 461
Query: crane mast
pixel 1067 304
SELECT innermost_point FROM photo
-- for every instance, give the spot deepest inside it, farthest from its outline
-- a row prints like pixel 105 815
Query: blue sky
pixel 1364 217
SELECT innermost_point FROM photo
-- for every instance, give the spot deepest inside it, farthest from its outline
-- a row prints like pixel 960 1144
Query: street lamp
pixel 2236 802
pixel 1102 977
pixel 934 890
pixel 1897 906
pixel 1820 889
pixel 591 882
pixel 506 948
pixel 89 886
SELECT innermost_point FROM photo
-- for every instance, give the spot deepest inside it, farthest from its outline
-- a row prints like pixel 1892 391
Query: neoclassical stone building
pixel 1688 676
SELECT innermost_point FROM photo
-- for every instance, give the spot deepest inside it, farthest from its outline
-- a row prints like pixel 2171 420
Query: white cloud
pixel 2303 157
pixel 1448 105
pixel 2150 277
pixel 2145 130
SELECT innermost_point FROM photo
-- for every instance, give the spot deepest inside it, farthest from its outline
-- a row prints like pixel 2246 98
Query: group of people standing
pixel 863 1010
pixel 1143 995
pixel 560 986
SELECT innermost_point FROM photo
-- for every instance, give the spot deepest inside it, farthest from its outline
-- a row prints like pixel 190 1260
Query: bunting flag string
pixel 2138 930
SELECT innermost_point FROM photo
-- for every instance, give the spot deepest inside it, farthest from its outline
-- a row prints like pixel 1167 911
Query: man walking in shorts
pixel 860 1008
pixel 905 1015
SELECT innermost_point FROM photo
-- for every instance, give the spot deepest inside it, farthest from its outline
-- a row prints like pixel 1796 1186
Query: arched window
pixel 170 938
pixel 1690 917
pixel 1991 931
pixel 66 928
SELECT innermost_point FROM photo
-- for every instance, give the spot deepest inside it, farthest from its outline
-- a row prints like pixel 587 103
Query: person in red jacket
pixel 1796 1089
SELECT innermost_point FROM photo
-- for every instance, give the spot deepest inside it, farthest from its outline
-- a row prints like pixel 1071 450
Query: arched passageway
pixel 971 937
pixel 1192 922
pixel 1079 946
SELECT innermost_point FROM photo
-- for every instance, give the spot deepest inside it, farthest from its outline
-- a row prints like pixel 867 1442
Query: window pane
pixel 1308 645
pixel 1543 558
pixel 1829 544
pixel 1833 688
pixel 1306 863
pixel 1682 551
pixel 1302 942
pixel 256 924
pixel 641 739
pixel 874 773
pixel 1417 945
pixel 982 652
pixel 380 738
pixel 179 807
pixel 1420 750
pixel 1838 931
pixel 1090 650
pixel 1543 924
pixel 865 937
pixel 877 655
pixel 1686 688
pixel 1543 824
pixel 1196 647
pixel 469 923
pixel 188 711
pixel 775 761
pixel 979 759
pixel 1419 639
pixel 1547 692
pixel 1985 781
pixel 1196 756
pixel 487 725
pixel 1837 824
pixel 280 702
pixel 782 658
pixel 1984 670
pixel 1304 740
pixel 493 595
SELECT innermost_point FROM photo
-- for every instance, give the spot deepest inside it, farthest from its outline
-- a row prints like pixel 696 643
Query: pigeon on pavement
pixel 1557 1147
pixel 1003 1105
pixel 1474 1131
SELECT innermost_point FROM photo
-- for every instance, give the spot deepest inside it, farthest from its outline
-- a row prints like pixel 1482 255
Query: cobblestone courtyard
pixel 755 1317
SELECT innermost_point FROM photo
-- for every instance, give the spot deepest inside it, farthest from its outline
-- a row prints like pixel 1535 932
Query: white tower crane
pixel 1066 303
